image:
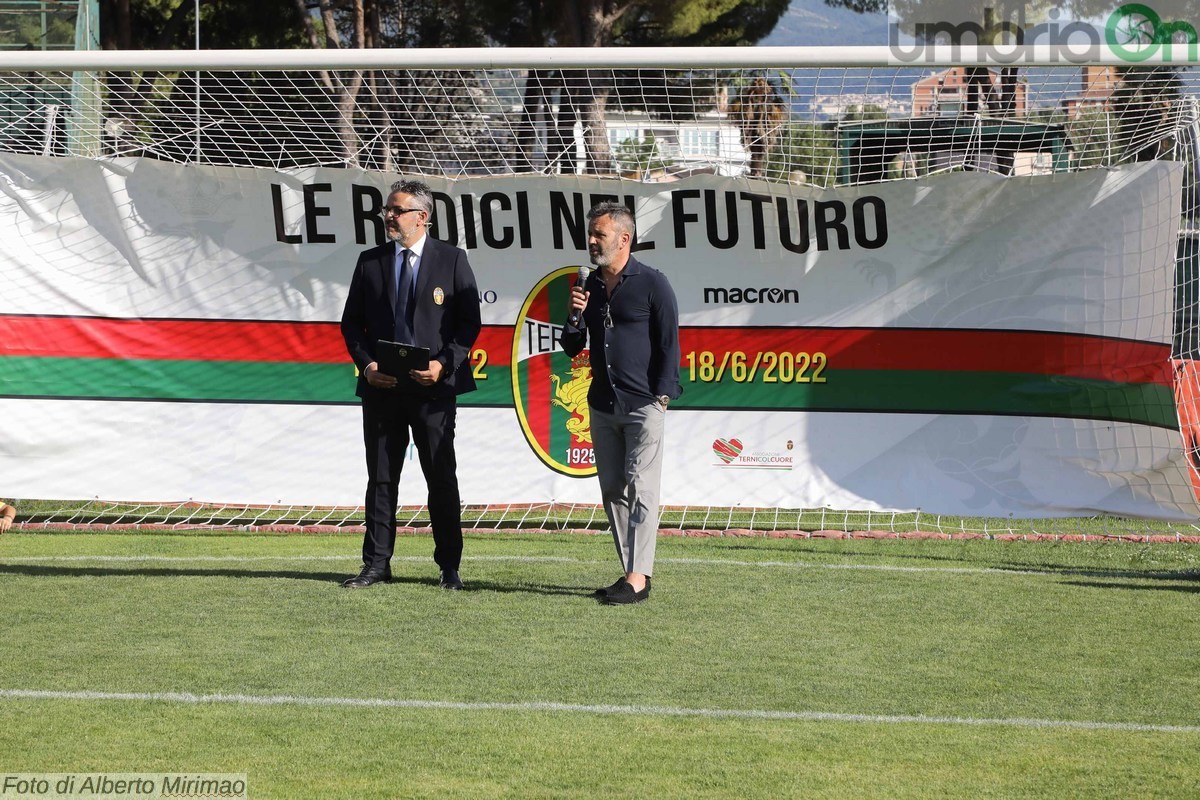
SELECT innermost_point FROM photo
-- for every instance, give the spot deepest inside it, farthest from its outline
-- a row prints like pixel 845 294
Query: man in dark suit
pixel 419 291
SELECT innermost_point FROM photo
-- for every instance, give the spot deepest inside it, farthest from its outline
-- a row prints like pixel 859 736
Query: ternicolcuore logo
pixel 549 387
pixel 1006 32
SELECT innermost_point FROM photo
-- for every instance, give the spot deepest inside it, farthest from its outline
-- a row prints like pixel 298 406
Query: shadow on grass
pixel 1092 572
pixel 1113 578
pixel 1137 587
pixel 834 551
pixel 34 570
pixel 528 588
pixel 334 578
pixel 470 586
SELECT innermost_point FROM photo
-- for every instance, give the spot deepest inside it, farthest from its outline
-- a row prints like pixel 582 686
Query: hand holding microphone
pixel 578 298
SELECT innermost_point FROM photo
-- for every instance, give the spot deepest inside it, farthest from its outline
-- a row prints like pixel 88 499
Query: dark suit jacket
pixel 448 328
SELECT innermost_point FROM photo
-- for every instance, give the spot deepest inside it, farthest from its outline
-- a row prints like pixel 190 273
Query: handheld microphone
pixel 576 315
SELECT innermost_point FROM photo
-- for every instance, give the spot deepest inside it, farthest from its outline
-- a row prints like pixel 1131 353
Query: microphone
pixel 580 280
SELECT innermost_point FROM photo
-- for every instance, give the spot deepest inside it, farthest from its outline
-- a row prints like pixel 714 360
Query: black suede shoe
pixel 604 591
pixel 625 595
pixel 450 580
pixel 369 577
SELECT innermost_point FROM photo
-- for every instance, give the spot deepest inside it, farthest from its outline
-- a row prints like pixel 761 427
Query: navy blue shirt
pixel 636 360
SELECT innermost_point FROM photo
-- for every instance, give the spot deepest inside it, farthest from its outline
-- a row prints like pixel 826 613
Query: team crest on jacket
pixel 439 296
pixel 550 388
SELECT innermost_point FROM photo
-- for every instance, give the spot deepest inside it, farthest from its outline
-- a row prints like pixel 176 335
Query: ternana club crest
pixel 549 388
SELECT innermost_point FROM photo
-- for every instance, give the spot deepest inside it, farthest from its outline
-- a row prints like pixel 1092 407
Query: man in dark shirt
pixel 629 312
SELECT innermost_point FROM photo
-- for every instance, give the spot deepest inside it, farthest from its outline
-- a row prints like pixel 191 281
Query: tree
pixel 861 6
pixel 365 109
pixel 805 153
pixel 36 29
pixel 170 24
pixel 759 113
pixel 863 113
pixel 584 97
pixel 153 102
pixel 1146 106
pixel 640 157
pixel 1091 138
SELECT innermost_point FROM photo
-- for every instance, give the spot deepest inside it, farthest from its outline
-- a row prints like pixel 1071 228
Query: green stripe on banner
pixel 201 381
pixel 926 392
pixel 250 381
pixel 493 388
pixel 879 391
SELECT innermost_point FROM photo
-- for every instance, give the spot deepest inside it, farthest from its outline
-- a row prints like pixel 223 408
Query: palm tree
pixel 760 114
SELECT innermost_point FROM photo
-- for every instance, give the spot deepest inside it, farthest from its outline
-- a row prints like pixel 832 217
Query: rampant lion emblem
pixel 572 396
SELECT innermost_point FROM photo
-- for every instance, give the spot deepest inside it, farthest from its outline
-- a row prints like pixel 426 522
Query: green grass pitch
pixel 759 668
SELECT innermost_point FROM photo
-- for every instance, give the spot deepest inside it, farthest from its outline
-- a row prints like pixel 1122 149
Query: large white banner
pixel 964 345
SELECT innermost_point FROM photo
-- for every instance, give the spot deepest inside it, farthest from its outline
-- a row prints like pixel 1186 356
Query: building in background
pixel 959 90
pixel 1098 85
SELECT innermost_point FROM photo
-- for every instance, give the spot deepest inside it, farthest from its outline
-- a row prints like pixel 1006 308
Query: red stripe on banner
pixel 497 341
pixel 182 340
pixel 537 378
pixel 194 340
pixel 921 349
pixel 924 349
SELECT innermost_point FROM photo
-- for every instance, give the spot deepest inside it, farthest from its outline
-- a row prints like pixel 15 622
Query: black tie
pixel 389 278
pixel 404 304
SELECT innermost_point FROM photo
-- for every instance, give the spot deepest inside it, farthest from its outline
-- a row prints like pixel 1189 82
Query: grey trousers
pixel 629 451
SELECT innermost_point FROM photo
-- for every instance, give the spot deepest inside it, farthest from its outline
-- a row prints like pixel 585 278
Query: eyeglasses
pixel 396 211
pixel 607 312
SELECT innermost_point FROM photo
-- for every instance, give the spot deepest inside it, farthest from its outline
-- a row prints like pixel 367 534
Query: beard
pixel 399 234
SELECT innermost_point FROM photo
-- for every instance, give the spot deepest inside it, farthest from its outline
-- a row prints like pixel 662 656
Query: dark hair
pixel 418 191
pixel 621 215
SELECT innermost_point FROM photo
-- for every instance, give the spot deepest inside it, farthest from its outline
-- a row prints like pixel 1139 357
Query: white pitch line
pixel 240 559
pixel 703 562
pixel 563 559
pixel 180 559
pixel 573 708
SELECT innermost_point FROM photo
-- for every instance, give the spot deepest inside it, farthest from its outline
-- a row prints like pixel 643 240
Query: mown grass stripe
pixel 575 708
pixel 696 562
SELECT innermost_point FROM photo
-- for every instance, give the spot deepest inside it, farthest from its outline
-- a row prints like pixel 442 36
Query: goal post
pixel 947 294
pixel 256 104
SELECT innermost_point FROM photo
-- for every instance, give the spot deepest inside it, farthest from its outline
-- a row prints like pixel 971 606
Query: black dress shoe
pixel 604 591
pixel 625 595
pixel 369 577
pixel 450 580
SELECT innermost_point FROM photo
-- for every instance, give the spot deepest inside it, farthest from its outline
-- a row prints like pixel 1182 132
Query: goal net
pixel 958 298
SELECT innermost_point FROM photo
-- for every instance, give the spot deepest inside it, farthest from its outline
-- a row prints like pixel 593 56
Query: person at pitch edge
pixel 629 313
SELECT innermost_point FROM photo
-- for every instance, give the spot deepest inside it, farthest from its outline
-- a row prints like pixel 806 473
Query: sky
pixel 811 22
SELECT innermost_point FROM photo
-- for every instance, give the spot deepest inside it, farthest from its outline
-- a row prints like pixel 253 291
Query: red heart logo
pixel 727 449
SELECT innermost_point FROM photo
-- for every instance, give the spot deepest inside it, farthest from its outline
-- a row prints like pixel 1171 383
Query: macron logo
pixel 765 294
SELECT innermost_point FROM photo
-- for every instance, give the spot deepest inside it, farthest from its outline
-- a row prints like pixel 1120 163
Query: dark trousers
pixel 387 420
